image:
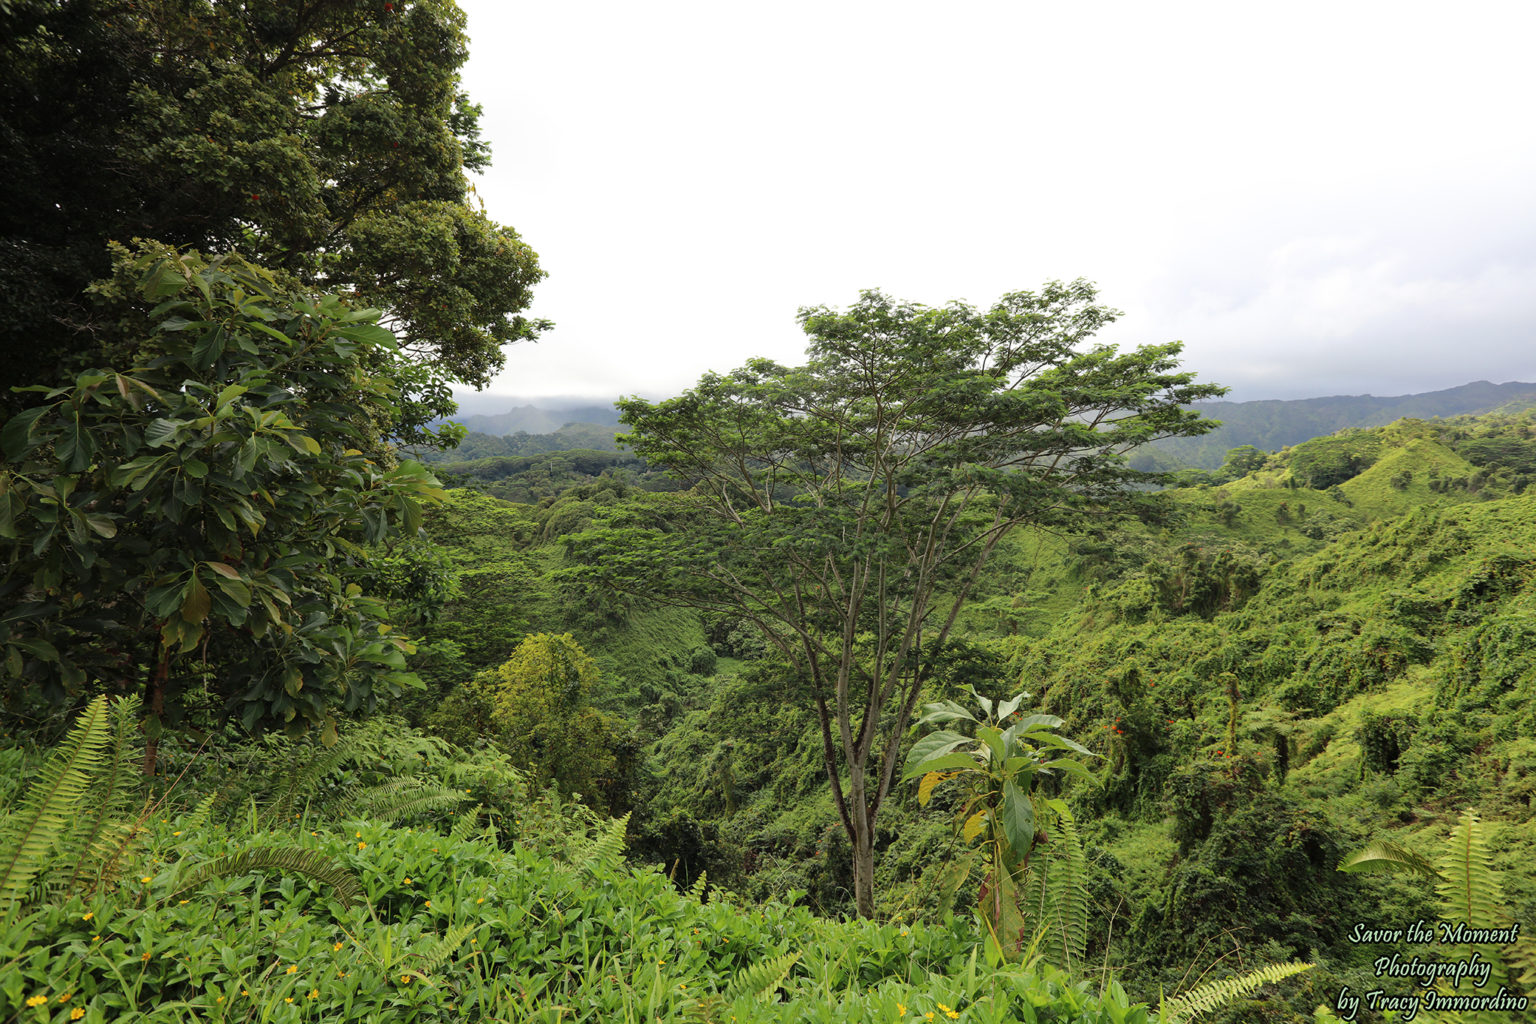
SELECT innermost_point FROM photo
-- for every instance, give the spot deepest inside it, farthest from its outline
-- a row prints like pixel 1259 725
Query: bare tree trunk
pixel 862 837
pixel 156 710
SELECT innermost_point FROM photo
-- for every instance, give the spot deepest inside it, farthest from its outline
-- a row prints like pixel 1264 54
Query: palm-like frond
pixel 286 860
pixel 1469 889
pixel 1384 855
pixel 607 850
pixel 102 833
pixel 306 765
pixel 763 978
pixel 400 798
pixel 31 831
pixel 1054 896
pixel 436 951
pixel 1215 994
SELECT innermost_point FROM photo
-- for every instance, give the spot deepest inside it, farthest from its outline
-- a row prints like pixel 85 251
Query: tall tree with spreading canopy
pixel 203 528
pixel 326 140
pixel 847 507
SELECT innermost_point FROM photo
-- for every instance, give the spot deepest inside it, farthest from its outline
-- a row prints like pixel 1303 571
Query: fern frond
pixel 1383 855
pixel 1469 890
pixel 400 798
pixel 1054 896
pixel 607 850
pixel 1068 893
pixel 1216 994
pixel 99 836
pixel 198 817
pixel 465 824
pixel 101 861
pixel 696 890
pixel 306 766
pixel 437 951
pixel 1521 958
pixel 287 860
pixel 32 830
pixel 763 978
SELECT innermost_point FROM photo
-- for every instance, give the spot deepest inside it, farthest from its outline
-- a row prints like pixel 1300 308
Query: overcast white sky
pixel 1317 198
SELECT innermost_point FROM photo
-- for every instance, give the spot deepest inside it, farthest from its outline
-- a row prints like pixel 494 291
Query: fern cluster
pixel 57 840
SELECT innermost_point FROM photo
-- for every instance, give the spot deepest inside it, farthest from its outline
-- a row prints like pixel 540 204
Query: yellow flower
pixel 407 881
pixel 245 991
pixel 480 900
pixel 77 1013
pixel 362 846
pixel 288 999
pixel 175 833
pixel 66 997
pixel 95 938
pixel 928 1015
pixel 145 957
pixel 219 1000
pixel 145 879
pixel 182 903
pixel 903 933
pixel 429 903
pixel 336 945
pixel 358 835
pixel 901 1009
pixel 37 1000
pixel 405 979
pixel 88 916
pixel 314 993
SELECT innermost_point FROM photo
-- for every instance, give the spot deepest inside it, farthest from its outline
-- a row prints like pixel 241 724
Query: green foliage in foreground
pixel 358 919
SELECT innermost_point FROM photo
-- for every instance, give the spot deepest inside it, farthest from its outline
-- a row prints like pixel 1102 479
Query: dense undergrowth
pixel 1276 674
pixel 272 899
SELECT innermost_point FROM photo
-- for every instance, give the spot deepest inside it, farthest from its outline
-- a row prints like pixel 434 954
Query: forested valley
pixel 892 686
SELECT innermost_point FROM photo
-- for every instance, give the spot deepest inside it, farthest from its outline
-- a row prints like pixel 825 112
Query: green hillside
pixel 1273 424
pixel 1274 674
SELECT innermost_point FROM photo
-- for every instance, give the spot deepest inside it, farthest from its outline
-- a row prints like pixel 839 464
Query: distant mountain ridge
pixel 1274 424
pixel 1268 424
pixel 539 419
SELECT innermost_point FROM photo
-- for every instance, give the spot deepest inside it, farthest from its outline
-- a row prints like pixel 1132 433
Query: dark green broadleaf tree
pixel 326 140
pixel 847 507
pixel 195 528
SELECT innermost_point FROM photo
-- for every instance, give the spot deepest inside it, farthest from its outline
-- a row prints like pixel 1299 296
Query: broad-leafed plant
pixel 998 767
pixel 199 527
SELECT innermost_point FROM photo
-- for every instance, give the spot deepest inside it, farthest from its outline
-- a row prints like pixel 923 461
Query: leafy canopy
pixel 846 507
pixel 197 526
pixel 327 141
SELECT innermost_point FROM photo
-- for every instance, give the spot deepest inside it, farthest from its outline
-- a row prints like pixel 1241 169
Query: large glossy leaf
pixel 195 601
pixel 1011 705
pixel 1018 817
pixel 17 437
pixel 1063 743
pixel 931 745
pixel 942 763
pixel 992 740
pixel 973 826
pixel 944 711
